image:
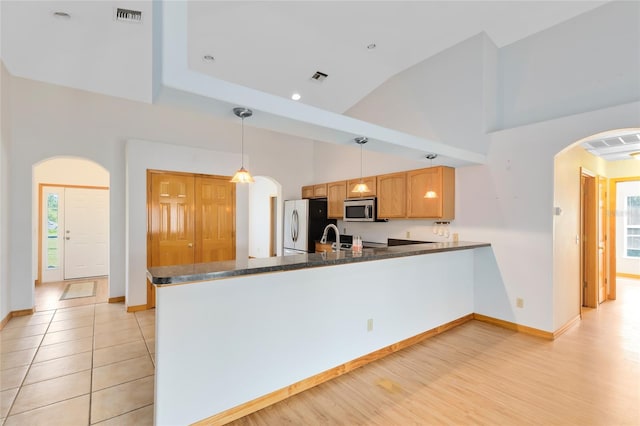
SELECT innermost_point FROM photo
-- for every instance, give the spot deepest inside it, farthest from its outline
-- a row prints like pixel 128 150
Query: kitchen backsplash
pixel 417 230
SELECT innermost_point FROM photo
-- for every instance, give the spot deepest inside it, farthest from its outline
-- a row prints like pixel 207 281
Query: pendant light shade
pixel 431 193
pixel 361 187
pixel 242 175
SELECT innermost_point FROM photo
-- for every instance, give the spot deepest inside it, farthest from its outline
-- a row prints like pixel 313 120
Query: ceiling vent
pixel 128 15
pixel 319 76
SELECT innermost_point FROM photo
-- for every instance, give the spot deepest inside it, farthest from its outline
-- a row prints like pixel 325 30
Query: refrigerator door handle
pixel 294 226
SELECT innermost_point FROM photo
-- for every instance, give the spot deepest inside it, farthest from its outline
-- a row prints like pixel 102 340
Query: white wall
pixel 624 264
pixel 261 333
pixel 560 80
pixel 49 121
pixel 5 143
pixel 432 98
pixel 587 63
pixel 260 194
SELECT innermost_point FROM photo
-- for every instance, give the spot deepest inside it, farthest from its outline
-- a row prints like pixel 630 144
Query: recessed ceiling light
pixel 296 96
pixel 61 15
pixel 371 46
pixel 208 58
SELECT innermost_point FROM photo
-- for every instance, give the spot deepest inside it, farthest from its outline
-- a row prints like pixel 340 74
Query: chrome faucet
pixel 323 240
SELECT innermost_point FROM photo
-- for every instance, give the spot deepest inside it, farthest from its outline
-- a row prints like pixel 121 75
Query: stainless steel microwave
pixel 360 209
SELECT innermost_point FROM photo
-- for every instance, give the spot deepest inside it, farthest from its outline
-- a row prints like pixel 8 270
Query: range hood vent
pixel 128 15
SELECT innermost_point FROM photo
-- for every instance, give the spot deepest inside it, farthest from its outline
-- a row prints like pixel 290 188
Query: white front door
pixel 75 233
pixel 86 232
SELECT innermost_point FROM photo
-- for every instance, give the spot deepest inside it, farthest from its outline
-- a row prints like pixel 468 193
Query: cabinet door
pixel 437 179
pixel 320 190
pixel 392 195
pixel 336 193
pixel 307 191
pixel 369 181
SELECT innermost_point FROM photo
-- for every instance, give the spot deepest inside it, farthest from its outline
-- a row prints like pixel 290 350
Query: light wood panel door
pixel 172 224
pixel 336 193
pixel 215 228
pixel 441 180
pixel 602 239
pixel 392 195
pixel 370 181
pixel 191 220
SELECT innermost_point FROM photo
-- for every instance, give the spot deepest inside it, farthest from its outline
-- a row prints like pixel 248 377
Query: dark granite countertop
pixel 171 275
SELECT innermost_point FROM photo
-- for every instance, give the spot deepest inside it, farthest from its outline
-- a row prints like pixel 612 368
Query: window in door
pixel 632 227
pixel 53 224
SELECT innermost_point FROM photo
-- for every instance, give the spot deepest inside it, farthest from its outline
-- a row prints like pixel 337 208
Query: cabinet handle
pixel 190 245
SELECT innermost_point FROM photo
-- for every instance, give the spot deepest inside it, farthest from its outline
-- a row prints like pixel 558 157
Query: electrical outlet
pixel 520 302
pixel 370 324
pixel 408 234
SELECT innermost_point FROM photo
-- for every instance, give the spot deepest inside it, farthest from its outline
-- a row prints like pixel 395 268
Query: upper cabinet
pixel 439 181
pixel 307 191
pixel 400 195
pixel 336 193
pixel 392 195
pixel 315 191
pixel 370 181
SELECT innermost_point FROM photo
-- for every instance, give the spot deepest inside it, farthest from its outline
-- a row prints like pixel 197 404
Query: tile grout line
pixel 29 368
pixel 93 350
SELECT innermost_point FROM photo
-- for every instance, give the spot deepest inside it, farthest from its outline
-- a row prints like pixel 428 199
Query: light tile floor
pixel 81 365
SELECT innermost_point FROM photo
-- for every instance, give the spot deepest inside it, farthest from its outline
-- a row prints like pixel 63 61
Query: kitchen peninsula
pixel 233 337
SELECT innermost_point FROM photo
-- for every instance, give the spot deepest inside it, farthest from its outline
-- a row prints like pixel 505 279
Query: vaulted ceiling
pixel 237 52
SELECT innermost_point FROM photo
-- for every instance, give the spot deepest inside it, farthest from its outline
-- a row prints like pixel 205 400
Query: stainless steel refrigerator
pixel 304 221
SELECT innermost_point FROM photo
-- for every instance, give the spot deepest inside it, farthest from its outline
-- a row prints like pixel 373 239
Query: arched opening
pixel 70 217
pixel 591 224
pixel 265 217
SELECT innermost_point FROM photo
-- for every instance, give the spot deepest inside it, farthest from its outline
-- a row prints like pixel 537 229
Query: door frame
pixel 40 213
pixel 588 239
pixel 613 199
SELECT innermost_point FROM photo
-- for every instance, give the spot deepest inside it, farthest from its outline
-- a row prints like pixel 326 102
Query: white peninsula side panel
pixel 225 342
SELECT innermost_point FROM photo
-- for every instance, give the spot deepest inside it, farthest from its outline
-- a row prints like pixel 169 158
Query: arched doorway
pixel 265 217
pixel 585 213
pixel 71 238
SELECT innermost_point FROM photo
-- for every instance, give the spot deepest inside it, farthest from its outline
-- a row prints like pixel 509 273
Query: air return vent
pixel 128 15
pixel 319 76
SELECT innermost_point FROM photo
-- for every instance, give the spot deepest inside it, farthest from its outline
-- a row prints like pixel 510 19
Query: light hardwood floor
pixel 481 374
pixel 94 364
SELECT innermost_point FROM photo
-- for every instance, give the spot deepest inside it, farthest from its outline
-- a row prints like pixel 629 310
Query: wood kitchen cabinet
pixel 315 191
pixel 392 195
pixel 439 179
pixel 307 191
pixel 336 193
pixel 370 181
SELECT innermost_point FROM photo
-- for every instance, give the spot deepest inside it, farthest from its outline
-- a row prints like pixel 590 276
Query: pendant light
pixel 361 187
pixel 242 175
pixel 430 190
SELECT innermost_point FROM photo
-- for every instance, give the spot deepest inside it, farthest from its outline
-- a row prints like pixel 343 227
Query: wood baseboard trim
pixel 14 314
pixel 136 308
pixel 559 332
pixel 515 327
pixel 118 299
pixel 625 275
pixel 284 393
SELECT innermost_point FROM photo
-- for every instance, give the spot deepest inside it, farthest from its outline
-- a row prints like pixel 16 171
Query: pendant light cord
pixel 242 143
pixel 361 163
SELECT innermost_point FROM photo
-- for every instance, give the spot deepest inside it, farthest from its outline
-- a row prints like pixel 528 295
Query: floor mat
pixel 79 289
